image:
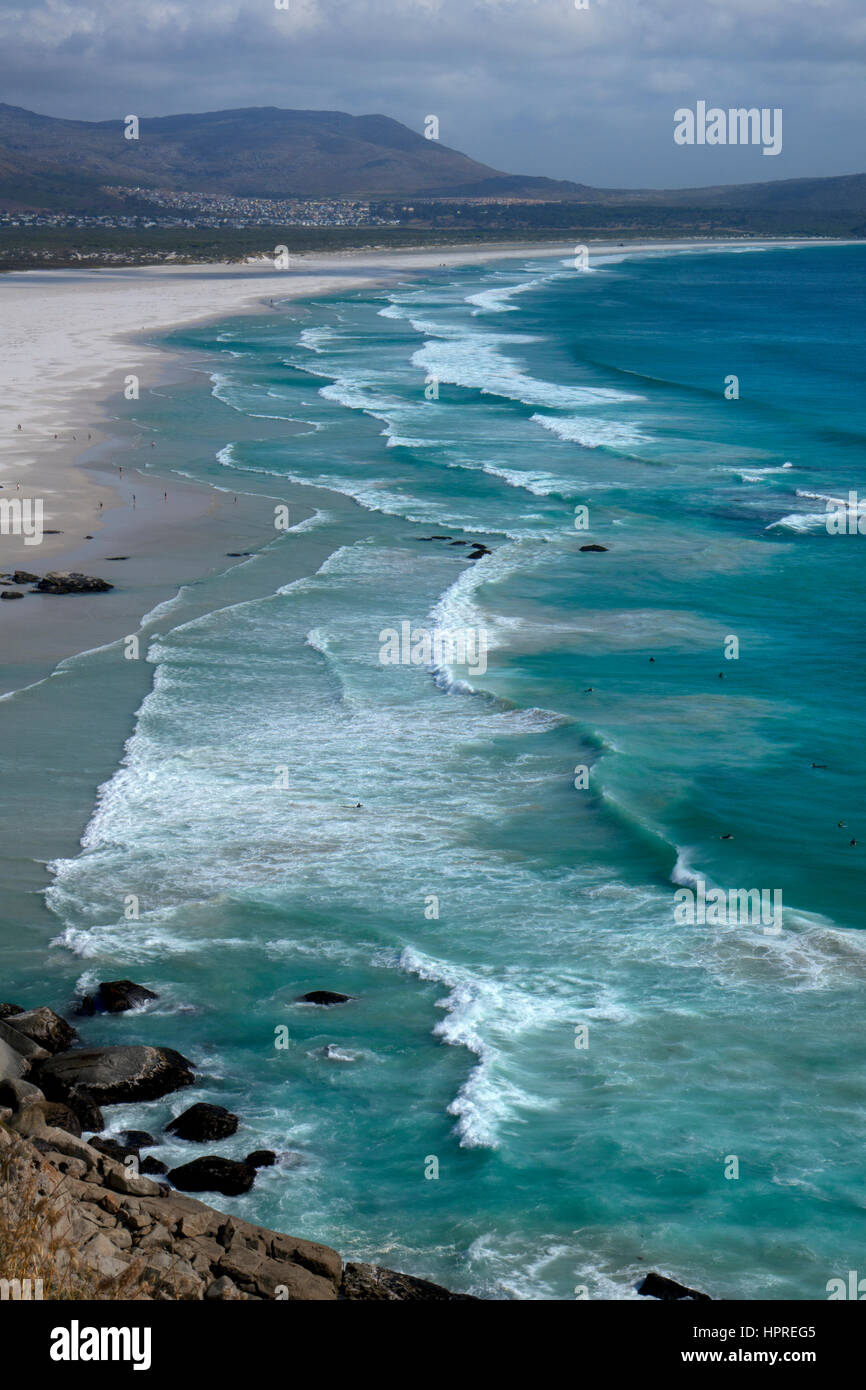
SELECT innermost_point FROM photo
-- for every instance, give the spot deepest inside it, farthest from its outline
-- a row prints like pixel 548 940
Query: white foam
pixel 474 361
pixel 593 433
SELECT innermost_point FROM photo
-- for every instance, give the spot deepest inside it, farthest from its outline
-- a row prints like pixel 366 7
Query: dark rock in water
pixel 114 1074
pixel 213 1174
pixel 60 1116
pixel 112 1148
pixel 116 557
pixel 203 1122
pixel 11 593
pixel 115 997
pixel 261 1158
pixel 459 542
pixel 478 551
pixel 659 1286
pixel 153 1167
pixel 44 1027
pixel 593 547
pixel 68 582
pixel 25 577
pixel 237 554
pixel 434 538
pixel 137 1139
pixel 323 996
pixel 362 1281
pixel 7 1010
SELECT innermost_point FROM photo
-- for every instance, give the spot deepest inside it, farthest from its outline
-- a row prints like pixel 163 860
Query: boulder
pixel 110 1075
pixel 60 1116
pixel 593 547
pixel 25 577
pixel 70 582
pixel 324 997
pixel 363 1281
pixel 261 1158
pixel 203 1122
pixel 154 1166
pixel 28 1050
pixel 137 1139
pixel 11 593
pixel 7 1010
pixel 660 1286
pixel 88 1113
pixel 112 1149
pixel 115 997
pixel 213 1174
pixel 224 1288
pixel 19 1094
pixel 44 1027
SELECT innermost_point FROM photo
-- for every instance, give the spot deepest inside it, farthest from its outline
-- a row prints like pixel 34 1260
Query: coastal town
pixel 185 209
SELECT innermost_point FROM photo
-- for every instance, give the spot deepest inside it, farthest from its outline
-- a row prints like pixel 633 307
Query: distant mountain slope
pixel 268 152
pixel 259 152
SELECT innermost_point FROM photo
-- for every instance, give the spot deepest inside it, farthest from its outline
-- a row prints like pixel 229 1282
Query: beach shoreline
pixel 79 340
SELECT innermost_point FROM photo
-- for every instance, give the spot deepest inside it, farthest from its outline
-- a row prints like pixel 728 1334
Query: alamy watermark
pixel 719 907
pixel 421 646
pixel 845 518
pixel 22 516
pixel 736 126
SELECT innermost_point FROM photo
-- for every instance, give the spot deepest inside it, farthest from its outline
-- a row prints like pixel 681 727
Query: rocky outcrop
pixel 115 997
pixel 385 1285
pixel 660 1286
pixel 132 1236
pixel 70 582
pixel 202 1123
pixel 44 1027
pixel 119 1221
pixel 110 1075
pixel 593 547
pixel 213 1174
pixel 12 1065
pixel 323 996
pixel 20 1043
pixel 261 1158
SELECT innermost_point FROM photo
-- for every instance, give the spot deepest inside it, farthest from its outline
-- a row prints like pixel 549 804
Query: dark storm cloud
pixel 535 86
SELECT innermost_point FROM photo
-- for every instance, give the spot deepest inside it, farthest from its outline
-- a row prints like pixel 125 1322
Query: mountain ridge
pixel 48 162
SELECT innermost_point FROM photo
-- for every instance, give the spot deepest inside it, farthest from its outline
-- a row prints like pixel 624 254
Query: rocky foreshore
pixel 107 1228
pixel 88 1218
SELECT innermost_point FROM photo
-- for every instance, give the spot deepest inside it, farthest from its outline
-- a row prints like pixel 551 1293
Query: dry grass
pixel 35 1242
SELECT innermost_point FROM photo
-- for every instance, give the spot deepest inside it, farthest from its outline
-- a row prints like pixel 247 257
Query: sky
pixel 528 86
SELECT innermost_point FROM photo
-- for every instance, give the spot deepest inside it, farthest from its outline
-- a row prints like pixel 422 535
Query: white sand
pixel 70 338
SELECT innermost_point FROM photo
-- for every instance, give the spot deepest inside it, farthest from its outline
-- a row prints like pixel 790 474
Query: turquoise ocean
pixel 488 899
